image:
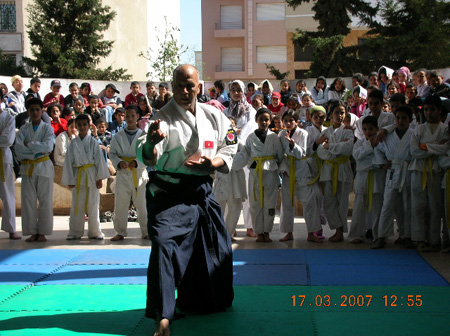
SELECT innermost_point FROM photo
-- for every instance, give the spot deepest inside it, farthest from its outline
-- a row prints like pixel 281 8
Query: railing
pixel 7 16
pixel 229 25
pixel 229 67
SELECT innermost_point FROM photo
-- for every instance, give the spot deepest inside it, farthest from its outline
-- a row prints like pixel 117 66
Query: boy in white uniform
pixel 7 191
pixel 297 178
pixel 34 142
pixel 336 172
pixel 131 176
pixel 429 141
pixel 368 184
pixel 394 153
pixel 84 170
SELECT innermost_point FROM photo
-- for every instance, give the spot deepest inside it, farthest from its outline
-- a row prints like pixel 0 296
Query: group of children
pixel 391 147
pixel 394 160
pixel 83 149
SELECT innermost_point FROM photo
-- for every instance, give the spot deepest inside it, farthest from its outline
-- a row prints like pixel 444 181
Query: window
pixel 7 15
pixel 230 17
pixel 231 59
pixel 270 12
pixel 271 54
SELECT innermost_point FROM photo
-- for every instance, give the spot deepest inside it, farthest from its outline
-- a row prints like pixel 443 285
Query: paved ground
pixel 439 261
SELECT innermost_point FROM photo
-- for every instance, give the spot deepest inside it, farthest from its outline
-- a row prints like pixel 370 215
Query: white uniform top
pixel 188 135
pixel 299 151
pixel 246 123
pixel 255 148
pixel 121 147
pixel 384 119
pixel 363 153
pixel 7 135
pixel 422 134
pixel 80 153
pixel 341 144
pixel 40 141
pixel 398 152
pixel 61 144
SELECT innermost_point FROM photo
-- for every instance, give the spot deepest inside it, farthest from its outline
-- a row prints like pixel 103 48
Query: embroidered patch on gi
pixel 209 144
pixel 231 137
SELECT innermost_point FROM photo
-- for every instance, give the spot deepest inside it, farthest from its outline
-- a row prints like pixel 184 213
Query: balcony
pixel 229 29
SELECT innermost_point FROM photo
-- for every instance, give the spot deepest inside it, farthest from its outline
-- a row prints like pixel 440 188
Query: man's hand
pixel 206 163
pixel 154 135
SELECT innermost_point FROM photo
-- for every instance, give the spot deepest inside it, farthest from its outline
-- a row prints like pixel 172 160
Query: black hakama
pixel 191 249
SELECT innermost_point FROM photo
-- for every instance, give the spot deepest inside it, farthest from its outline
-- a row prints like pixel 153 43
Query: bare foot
pixel 232 239
pixel 118 237
pixel 32 238
pixel 287 237
pixel 251 233
pixel 146 237
pixel 356 241
pixel 337 237
pixel 14 236
pixel 267 237
pixel 163 328
pixel 312 238
pixel 41 238
pixel 260 238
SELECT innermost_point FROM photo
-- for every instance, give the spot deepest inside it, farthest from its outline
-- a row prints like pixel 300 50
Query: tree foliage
pixel 67 39
pixel 413 32
pixel 167 57
pixel 276 72
pixel 330 57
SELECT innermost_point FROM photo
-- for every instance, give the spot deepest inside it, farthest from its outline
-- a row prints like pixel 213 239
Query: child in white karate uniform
pixel 34 142
pixel 394 153
pixel 296 180
pixel 7 191
pixel 84 170
pixel 336 174
pixel 428 142
pixel 131 176
pixel 230 189
pixel 263 152
pixel 368 184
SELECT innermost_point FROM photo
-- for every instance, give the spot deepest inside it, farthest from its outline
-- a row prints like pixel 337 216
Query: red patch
pixel 209 144
pixel 230 136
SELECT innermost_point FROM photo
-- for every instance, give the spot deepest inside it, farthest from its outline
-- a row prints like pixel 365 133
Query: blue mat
pixel 24 274
pixel 374 275
pixel 38 257
pixel 269 257
pixel 98 275
pixel 270 275
pixel 113 257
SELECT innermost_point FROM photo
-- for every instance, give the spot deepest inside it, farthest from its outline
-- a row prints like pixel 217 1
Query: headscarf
pixel 238 108
pixel 405 71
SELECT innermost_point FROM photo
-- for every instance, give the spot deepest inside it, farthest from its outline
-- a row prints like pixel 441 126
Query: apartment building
pixel 133 30
pixel 241 36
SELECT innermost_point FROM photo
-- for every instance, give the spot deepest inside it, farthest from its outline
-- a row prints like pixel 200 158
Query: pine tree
pixel 67 39
pixel 413 32
pixel 330 57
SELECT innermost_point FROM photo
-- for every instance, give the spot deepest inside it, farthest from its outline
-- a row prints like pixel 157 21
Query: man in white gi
pixel 191 249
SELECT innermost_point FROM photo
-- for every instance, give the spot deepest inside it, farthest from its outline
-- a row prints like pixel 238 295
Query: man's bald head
pixel 186 86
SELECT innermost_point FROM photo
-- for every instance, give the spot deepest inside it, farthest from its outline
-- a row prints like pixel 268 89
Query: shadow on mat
pixel 115 323
pixel 99 273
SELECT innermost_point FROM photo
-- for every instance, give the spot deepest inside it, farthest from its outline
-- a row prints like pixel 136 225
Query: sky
pixel 190 28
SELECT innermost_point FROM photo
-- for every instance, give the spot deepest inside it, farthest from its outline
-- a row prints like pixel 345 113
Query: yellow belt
pixel 447 191
pixel 292 167
pixel 31 163
pixel 133 170
pixel 80 169
pixel 2 172
pixel 319 167
pixel 427 165
pixel 259 174
pixel 370 180
pixel 335 170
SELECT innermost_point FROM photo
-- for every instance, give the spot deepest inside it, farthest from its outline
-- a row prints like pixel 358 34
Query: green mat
pixel 257 310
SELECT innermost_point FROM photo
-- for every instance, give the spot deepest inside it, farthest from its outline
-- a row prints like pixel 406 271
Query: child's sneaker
pixel 319 234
